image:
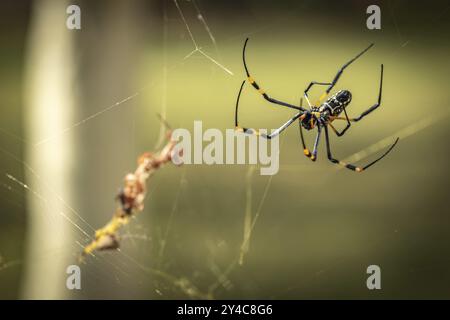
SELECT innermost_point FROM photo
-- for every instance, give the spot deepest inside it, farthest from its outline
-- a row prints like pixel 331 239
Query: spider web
pixel 168 284
pixel 82 229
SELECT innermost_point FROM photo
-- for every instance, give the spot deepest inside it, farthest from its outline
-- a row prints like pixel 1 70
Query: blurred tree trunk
pixel 85 164
pixel 50 101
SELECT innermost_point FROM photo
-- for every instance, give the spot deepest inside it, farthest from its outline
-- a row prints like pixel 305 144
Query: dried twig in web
pixel 131 197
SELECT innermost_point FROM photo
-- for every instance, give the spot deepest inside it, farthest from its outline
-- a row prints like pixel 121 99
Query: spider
pixel 319 115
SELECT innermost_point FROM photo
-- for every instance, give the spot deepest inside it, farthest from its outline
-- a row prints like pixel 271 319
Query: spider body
pixel 319 115
pixel 309 120
pixel 336 104
pixel 326 112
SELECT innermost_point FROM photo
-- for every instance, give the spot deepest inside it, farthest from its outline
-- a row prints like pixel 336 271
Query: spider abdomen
pixel 336 103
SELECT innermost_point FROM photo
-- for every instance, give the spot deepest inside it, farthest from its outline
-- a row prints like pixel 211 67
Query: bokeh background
pixel 79 106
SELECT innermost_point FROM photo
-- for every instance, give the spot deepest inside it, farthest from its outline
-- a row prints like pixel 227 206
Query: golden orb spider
pixel 320 115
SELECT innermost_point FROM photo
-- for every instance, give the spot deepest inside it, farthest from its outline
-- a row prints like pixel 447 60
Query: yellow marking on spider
pixel 358 169
pixel 239 129
pixel 306 152
pixel 261 91
pixel 317 114
pixel 332 127
pixel 313 157
pixel 344 118
pixel 250 79
pixel 323 96
pixel 341 118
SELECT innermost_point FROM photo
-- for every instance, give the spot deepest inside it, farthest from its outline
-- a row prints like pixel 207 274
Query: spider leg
pixel 306 151
pixel 316 144
pixel 261 91
pixel 256 132
pixel 376 105
pixel 341 70
pixel 274 133
pixel 311 84
pixel 351 166
pixel 339 73
pixel 362 115
pixel 339 134
pixel 312 155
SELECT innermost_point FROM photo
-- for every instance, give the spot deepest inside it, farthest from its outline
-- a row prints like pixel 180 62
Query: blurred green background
pixel 318 227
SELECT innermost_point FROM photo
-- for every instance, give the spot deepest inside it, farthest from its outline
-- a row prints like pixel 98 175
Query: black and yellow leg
pixel 376 105
pixel 324 95
pixel 341 70
pixel 341 133
pixel 306 151
pixel 261 91
pixel 311 155
pixel 349 165
pixel 316 144
pixel 362 115
pixel 332 83
pixel 257 132
pixel 274 133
